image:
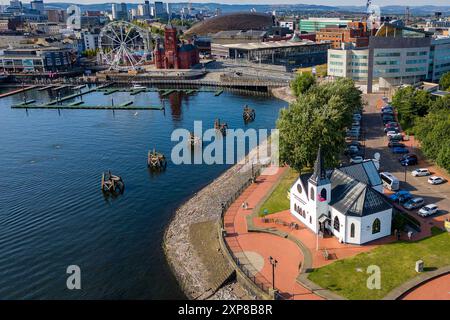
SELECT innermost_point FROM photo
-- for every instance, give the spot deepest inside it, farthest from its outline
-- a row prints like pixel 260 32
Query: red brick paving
pixel 436 289
pixel 285 251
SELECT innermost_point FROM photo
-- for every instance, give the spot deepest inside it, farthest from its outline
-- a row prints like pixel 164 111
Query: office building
pixel 439 57
pixel 36 59
pixel 315 24
pixel 159 10
pixel 354 32
pixel 290 54
pixel 288 24
pixel 395 55
pixel 119 11
pixel 89 40
pixel 37 5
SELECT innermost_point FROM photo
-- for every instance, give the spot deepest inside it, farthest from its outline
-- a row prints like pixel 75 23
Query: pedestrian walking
pixel 410 235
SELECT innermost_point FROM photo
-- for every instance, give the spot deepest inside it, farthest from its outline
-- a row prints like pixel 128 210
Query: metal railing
pixel 259 281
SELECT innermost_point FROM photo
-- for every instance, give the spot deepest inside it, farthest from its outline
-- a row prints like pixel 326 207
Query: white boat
pixel 137 86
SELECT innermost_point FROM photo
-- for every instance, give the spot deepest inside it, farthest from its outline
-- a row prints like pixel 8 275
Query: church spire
pixel 319 169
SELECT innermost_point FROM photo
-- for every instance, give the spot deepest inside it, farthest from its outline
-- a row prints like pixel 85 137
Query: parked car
pixel 391 127
pixel 399 150
pixel 428 210
pixel 409 155
pixel 396 137
pixel 395 143
pixel 357 159
pixel 408 159
pixel 354 143
pixel 401 196
pixel 392 123
pixel 387 118
pixel 392 132
pixel 414 203
pixel 435 180
pixel 420 172
pixel 409 162
pixel 352 150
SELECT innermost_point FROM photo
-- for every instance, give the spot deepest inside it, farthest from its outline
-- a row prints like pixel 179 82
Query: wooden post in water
pixel 103 180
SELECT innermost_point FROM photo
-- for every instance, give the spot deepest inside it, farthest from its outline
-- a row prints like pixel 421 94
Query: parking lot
pixel 376 141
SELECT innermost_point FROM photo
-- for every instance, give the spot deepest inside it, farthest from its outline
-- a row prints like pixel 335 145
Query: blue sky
pixel 322 2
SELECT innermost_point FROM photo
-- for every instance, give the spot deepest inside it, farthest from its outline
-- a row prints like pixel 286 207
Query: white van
pixel 390 181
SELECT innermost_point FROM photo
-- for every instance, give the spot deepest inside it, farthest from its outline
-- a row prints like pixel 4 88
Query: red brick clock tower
pixel 171 48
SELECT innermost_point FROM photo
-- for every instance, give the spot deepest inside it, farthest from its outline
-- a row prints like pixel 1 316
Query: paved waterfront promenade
pixel 436 289
pixel 254 249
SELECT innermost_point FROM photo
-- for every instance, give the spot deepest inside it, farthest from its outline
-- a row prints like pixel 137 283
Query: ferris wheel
pixel 124 45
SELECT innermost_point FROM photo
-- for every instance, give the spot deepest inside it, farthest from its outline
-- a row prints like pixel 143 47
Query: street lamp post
pixel 273 262
pixel 406 169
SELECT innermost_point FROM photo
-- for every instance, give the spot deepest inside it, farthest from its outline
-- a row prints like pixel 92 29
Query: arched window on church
pixel 376 226
pixel 352 230
pixel 323 195
pixel 336 224
pixel 311 194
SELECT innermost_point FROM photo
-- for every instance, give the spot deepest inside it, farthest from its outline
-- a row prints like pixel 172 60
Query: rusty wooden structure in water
pixel 156 161
pixel 248 114
pixel 112 183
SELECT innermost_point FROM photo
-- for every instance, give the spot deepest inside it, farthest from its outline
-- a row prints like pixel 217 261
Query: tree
pixel 444 82
pixel 302 83
pixel 443 158
pixel 442 103
pixel 410 104
pixel 319 116
pixel 433 131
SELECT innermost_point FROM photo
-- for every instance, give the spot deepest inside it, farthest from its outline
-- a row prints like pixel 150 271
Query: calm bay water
pixel 53 214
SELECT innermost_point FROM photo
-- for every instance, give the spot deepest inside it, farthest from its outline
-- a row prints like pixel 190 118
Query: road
pixel 376 141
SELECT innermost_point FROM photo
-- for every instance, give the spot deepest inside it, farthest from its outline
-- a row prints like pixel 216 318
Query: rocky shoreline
pixel 204 206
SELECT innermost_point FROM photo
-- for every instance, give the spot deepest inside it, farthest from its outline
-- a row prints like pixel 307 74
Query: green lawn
pixel 278 200
pixel 348 277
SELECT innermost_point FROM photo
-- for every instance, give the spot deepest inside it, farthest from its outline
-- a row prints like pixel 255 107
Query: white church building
pixel 346 202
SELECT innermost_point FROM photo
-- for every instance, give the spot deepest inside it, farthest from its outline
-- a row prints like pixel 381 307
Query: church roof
pixel 355 198
pixel 352 191
pixel 365 172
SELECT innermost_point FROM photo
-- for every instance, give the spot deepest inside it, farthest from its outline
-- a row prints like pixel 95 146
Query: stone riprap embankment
pixel 205 205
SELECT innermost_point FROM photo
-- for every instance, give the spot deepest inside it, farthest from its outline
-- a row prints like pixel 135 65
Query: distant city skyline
pixel 266 2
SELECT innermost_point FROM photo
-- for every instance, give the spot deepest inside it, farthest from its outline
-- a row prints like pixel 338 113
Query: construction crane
pixel 407 15
pixel 368 4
